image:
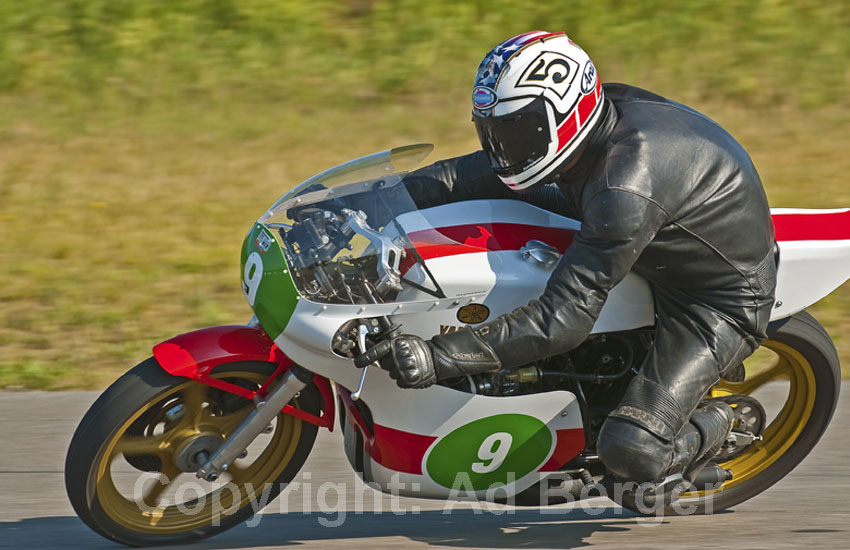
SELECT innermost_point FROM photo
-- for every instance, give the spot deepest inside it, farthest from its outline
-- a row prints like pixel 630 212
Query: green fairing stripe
pixel 274 292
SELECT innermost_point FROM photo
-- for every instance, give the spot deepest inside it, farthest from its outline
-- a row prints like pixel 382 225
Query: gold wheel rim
pixel 784 430
pixel 152 515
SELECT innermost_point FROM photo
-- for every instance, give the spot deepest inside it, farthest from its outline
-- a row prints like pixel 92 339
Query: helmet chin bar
pixel 567 158
pixel 543 176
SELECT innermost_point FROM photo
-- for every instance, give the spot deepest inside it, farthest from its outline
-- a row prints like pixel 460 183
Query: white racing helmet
pixel 536 99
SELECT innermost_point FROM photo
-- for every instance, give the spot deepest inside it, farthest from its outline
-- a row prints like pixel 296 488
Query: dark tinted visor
pixel 515 141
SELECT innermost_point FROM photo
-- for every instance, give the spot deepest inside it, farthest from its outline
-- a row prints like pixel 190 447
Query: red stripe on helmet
pixel 567 130
pixel 547 35
pixel 520 37
pixel 586 106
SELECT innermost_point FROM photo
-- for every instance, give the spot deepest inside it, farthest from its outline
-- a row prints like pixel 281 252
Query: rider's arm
pixel 470 177
pixel 463 178
pixel 617 226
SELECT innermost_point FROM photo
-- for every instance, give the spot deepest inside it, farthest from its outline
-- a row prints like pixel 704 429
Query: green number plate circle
pixel 491 451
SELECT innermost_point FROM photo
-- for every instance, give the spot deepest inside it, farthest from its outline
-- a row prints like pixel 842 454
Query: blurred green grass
pixel 110 53
pixel 139 140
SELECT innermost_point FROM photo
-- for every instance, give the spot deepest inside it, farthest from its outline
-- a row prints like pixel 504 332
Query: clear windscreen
pixel 343 231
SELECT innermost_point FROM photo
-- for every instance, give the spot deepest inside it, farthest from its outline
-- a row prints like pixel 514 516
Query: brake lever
pixel 370 357
pixel 355 396
pixel 362 331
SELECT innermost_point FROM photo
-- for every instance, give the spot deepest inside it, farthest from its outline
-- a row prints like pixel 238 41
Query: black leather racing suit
pixel 665 192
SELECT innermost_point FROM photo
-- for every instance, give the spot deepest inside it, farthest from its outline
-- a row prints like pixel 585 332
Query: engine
pixel 597 372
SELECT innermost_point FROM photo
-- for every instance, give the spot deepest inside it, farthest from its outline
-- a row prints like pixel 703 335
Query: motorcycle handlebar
pixel 374 354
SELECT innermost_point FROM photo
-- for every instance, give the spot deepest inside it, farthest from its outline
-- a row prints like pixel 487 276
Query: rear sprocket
pixel 749 423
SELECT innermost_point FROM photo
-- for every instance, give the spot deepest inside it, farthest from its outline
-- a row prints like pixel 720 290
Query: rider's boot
pixel 699 441
pixel 694 446
pixel 713 420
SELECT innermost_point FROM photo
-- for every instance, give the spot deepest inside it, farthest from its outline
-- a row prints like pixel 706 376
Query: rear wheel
pixel 130 467
pixel 798 367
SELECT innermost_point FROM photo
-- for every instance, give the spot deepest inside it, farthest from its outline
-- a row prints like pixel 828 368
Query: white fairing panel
pixel 809 268
pixel 503 278
pixel 808 271
pixel 438 411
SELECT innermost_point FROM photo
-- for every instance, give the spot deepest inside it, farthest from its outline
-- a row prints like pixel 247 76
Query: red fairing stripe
pixel 399 450
pixel 402 451
pixel 491 237
pixel 829 226
pixel 484 237
pixel 568 445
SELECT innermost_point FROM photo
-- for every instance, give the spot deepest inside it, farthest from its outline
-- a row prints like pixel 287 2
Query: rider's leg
pixel 657 428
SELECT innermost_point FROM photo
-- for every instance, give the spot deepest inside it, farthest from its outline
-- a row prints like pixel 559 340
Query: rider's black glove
pixel 415 363
pixel 462 352
pixel 410 362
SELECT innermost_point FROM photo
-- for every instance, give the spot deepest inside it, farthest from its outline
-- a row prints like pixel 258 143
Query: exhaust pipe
pixel 710 477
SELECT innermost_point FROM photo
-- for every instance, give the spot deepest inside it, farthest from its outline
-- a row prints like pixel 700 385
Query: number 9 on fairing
pixel 252 276
pixel 493 451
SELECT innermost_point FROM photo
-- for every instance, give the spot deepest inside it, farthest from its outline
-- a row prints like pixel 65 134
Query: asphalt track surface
pixel 808 509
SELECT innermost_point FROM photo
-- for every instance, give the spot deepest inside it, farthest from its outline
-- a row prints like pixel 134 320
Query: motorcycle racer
pixel 660 189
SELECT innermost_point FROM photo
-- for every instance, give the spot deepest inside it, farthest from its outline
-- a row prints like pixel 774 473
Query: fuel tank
pixel 492 256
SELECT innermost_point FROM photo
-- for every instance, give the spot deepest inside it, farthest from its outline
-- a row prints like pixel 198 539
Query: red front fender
pixel 195 355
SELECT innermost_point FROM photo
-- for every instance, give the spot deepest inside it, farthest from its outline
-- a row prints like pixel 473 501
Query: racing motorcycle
pixel 344 261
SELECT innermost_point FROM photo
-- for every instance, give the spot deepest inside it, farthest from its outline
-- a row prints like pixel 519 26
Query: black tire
pixel 123 399
pixel 804 334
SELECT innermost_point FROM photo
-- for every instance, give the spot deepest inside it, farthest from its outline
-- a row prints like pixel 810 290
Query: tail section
pixel 814 256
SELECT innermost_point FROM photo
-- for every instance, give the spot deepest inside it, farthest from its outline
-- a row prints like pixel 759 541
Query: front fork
pixel 196 355
pixel 294 380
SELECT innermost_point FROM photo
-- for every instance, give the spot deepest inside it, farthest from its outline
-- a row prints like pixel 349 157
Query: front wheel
pixel 130 467
pixel 798 367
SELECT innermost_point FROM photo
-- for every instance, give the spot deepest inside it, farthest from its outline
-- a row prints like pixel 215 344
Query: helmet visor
pixel 515 141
